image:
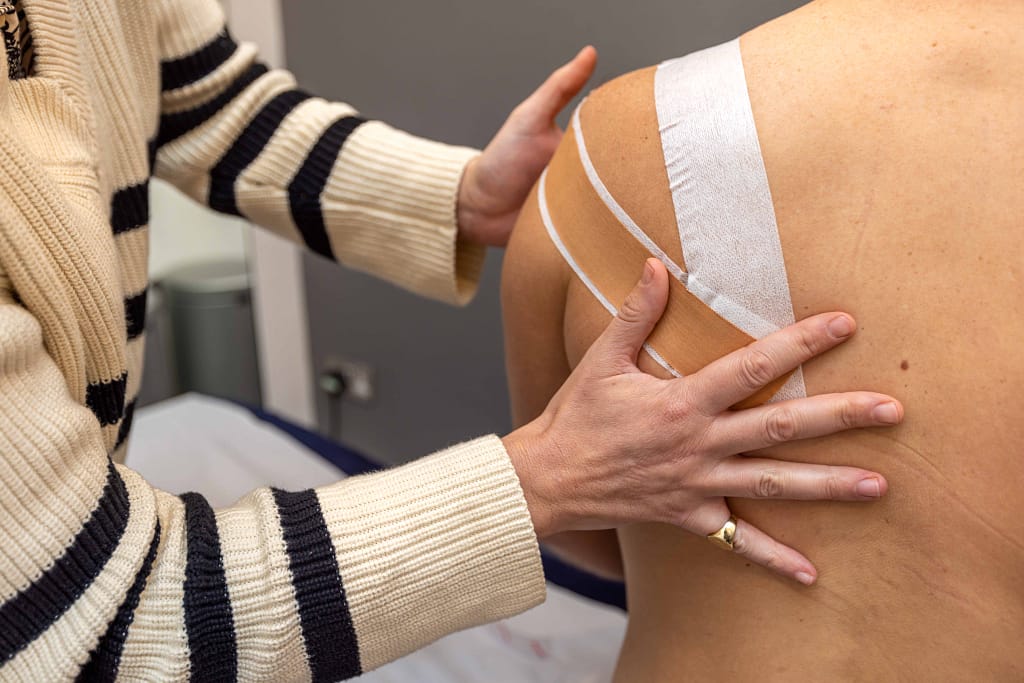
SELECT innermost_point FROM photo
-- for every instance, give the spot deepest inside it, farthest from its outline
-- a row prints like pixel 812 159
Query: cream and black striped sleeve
pixel 246 140
pixel 103 577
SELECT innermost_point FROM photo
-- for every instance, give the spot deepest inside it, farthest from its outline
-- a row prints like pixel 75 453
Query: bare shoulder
pixel 614 117
pixel 535 277
pixel 619 122
pixel 627 95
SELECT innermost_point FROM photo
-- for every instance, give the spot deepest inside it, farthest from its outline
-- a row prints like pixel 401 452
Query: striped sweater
pixel 103 577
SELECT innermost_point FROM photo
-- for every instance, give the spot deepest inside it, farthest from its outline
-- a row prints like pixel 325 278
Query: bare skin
pixel 892 137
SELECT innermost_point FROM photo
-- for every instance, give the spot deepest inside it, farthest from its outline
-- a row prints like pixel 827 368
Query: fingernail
pixel 804 578
pixel 840 326
pixel 886 413
pixel 648 274
pixel 869 488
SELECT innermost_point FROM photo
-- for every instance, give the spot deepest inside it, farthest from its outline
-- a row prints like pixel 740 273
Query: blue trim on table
pixel 582 582
pixel 346 460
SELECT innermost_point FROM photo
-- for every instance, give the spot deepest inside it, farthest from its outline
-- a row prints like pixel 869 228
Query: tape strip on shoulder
pixel 723 203
pixel 607 258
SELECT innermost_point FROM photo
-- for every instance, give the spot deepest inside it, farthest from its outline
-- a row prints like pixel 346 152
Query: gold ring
pixel 725 537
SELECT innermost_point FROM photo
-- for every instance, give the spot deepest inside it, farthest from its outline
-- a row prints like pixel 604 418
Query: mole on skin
pixel 904 365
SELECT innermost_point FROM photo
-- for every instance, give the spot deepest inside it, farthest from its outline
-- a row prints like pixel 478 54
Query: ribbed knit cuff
pixel 433 547
pixel 415 183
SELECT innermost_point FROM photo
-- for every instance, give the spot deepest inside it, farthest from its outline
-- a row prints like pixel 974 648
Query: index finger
pixel 736 376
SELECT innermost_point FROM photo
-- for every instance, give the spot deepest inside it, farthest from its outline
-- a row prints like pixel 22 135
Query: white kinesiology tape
pixel 723 205
pixel 720 190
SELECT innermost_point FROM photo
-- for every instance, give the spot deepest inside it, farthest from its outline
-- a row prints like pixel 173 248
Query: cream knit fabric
pixel 103 577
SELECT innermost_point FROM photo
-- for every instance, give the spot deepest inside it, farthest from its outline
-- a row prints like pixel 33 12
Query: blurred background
pixel 390 375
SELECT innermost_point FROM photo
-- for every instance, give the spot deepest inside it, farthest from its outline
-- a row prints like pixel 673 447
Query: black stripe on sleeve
pixel 209 621
pixel 106 658
pixel 126 425
pixel 247 147
pixel 327 629
pixel 106 399
pixel 129 208
pixel 308 184
pixel 152 147
pixel 27 615
pixel 177 73
pixel 173 126
pixel 135 313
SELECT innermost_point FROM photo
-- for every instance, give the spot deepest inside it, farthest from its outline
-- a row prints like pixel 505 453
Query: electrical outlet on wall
pixel 347 379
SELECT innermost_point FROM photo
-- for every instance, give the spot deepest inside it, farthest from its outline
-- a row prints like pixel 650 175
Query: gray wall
pixel 452 71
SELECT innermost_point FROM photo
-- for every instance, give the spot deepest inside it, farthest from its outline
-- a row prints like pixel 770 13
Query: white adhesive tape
pixel 720 190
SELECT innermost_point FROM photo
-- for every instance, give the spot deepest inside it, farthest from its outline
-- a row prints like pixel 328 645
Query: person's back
pixel 893 142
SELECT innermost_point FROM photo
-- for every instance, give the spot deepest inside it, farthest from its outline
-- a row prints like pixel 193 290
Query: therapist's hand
pixel 496 183
pixel 617 446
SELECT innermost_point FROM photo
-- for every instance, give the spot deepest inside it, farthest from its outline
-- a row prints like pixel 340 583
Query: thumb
pixel 560 87
pixel 639 313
